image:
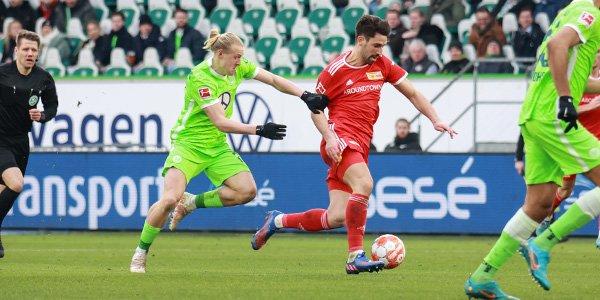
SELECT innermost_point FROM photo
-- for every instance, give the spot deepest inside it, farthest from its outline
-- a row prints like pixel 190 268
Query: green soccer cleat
pixel 537 261
pixel 485 290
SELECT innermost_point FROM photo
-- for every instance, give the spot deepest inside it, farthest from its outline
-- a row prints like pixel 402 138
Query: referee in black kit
pixel 22 86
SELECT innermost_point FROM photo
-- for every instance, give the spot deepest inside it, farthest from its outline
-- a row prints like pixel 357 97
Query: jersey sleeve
pixel 395 74
pixel 49 99
pixel 202 90
pixel 248 69
pixel 585 22
pixel 322 83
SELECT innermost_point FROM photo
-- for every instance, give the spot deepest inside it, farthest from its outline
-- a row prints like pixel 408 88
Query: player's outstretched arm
pixel 558 58
pixel 331 145
pixel 216 114
pixel 315 102
pixel 420 102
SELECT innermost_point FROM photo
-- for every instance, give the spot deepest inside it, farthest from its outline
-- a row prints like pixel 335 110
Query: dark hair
pixel 456 45
pixel 27 35
pixel 393 11
pixel 419 11
pixel 526 8
pixel 181 10
pixel 483 9
pixel 369 25
pixel 118 13
pixel 403 120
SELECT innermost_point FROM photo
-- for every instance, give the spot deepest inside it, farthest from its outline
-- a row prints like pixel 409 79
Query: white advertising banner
pixel 111 112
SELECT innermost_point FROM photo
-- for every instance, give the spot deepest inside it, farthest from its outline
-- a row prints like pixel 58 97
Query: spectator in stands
pixel 395 40
pixel 484 30
pixel 550 7
pixel 98 43
pixel 183 36
pixel 22 11
pixel 119 37
pixel 494 50
pixel 405 7
pixel 2 14
pixel 457 60
pixel 417 61
pixel 149 36
pixel 452 10
pixel 374 6
pixel 340 5
pixel 528 37
pixel 513 6
pixel 51 37
pixel 10 41
pixel 404 141
pixel 80 9
pixel 47 8
pixel 421 29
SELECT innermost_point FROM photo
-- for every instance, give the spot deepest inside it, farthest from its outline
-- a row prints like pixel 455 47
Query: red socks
pixel 310 220
pixel 356 219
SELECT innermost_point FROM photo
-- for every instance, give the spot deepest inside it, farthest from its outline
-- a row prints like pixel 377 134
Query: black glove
pixel 315 102
pixel 271 131
pixel 567 112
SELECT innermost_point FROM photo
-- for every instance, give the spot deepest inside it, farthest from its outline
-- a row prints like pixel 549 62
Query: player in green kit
pixel 199 137
pixel 555 145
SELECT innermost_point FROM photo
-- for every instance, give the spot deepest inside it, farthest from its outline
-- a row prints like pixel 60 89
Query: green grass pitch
pixel 292 266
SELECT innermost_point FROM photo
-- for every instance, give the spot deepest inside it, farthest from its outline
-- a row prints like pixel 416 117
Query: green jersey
pixel 541 101
pixel 205 87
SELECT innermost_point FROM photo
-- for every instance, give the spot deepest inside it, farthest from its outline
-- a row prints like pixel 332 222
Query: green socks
pixel 208 199
pixel 573 219
pixel 485 272
pixel 148 235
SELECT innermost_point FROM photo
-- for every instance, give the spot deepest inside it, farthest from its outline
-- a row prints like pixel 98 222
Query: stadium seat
pixel 302 40
pixel 321 12
pixel 38 25
pixel 470 52
pixel 7 21
pixel 387 52
pixel 268 41
pixel 281 63
pixel 150 63
pixel 236 26
pixel 204 27
pixel 381 11
pixel 75 34
pixel 169 26
pixel 85 66
pixel 222 14
pixel 439 21
pixel 254 15
pixel 250 54
pixel 422 5
pixel 196 12
pixel 35 4
pixel 509 53
pixel 543 20
pixel 132 15
pixel 467 6
pixel 159 11
pixel 52 62
pixel 434 55
pixel 183 62
pixel 489 4
pixel 464 29
pixel 509 25
pixel 352 13
pixel 288 11
pixel 100 9
pixel 405 19
pixel 118 64
pixel 313 62
pixel 105 26
pixel 336 39
pixel 1 48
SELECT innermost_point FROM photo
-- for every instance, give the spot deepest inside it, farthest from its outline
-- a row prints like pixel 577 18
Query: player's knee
pixel 336 219
pixel 246 194
pixel 169 200
pixel 363 186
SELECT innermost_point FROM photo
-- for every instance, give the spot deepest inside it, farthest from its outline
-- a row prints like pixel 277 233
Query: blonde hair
pixel 223 41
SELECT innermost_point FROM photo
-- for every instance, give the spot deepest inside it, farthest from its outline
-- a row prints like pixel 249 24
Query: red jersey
pixel 354 94
pixel 591 119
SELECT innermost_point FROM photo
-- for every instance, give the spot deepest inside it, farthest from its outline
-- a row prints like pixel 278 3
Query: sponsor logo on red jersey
pixel 363 88
pixel 377 75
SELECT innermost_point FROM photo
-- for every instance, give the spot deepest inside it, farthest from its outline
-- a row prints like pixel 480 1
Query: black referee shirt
pixel 20 93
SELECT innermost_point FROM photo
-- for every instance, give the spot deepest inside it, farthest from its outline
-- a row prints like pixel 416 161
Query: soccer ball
pixel 389 249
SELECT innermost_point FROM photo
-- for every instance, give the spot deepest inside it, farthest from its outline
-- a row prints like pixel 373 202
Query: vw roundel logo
pixel 250 108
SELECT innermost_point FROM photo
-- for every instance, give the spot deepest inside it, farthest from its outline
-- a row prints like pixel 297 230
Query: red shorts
pixel 335 175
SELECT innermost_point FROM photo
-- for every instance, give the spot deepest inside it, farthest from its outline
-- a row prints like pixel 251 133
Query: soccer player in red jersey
pixel 353 83
pixel 589 117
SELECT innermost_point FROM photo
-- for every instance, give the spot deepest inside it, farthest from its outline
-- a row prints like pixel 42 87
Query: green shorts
pixel 550 153
pixel 218 168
